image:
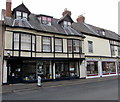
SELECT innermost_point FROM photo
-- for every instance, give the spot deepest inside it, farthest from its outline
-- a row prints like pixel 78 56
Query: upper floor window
pixel 46 44
pixel 101 32
pixel 90 46
pixel 24 41
pixel 16 41
pixel 112 50
pixel 58 45
pixel 118 50
pixel 20 15
pixel 66 24
pixel 74 46
pixel 45 20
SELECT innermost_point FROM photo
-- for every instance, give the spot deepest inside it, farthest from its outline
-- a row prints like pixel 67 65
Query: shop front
pixel 27 70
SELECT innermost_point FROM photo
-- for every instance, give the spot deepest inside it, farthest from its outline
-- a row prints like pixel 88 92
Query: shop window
pixel 46 47
pixel 90 46
pixel 61 69
pixel 73 68
pixel 92 68
pixel 29 71
pixel 44 70
pixel 108 68
pixel 58 45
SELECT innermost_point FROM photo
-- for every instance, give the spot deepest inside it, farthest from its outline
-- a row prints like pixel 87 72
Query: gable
pixel 21 8
pixel 66 18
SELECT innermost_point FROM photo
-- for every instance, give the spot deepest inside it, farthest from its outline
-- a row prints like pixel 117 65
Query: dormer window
pixel 66 24
pixel 45 20
pixel 21 15
pixel 18 15
pixel 103 32
pixel 25 15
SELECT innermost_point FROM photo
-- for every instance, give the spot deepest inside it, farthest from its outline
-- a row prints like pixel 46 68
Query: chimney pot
pixel 66 12
pixel 80 19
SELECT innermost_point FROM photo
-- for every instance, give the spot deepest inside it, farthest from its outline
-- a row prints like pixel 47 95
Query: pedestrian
pixel 39 83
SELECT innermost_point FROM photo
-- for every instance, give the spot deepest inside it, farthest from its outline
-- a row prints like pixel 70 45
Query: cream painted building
pixel 102 50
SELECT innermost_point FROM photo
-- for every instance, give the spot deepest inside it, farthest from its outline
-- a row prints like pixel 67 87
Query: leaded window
pixel 46 44
pixel 58 45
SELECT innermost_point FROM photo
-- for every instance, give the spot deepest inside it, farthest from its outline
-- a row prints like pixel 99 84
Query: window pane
pixel 90 46
pixel 112 50
pixel 25 42
pixel 76 45
pixel 92 68
pixel 18 14
pixel 49 19
pixel 69 46
pixel 65 24
pixel 58 45
pixel 33 43
pixel 46 44
pixel 25 15
pixel 16 40
pixel 118 51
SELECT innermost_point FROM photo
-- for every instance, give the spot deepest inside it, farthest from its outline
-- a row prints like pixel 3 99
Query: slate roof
pixel 76 29
pixel 34 23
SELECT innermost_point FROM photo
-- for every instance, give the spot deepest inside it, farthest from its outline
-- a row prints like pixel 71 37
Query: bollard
pixel 39 81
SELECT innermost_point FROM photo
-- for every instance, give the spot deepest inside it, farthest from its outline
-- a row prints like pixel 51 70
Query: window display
pixel 92 68
pixel 108 68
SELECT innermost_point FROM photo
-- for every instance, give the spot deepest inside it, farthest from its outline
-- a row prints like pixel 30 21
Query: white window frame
pixel 76 46
pixel 25 15
pixel 18 14
pixel 16 41
pixel 46 44
pixel 25 42
pixel 90 46
pixel 58 45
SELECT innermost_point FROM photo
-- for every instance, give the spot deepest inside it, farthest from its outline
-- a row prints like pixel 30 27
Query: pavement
pixel 33 86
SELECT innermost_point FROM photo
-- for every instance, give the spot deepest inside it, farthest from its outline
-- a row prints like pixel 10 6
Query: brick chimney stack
pixel 8 8
pixel 80 19
pixel 66 12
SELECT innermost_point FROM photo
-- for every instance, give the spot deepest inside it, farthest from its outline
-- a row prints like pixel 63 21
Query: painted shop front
pixel 27 70
pixel 100 67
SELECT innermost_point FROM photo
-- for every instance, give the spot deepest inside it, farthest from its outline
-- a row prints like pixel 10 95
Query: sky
pixel 100 13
